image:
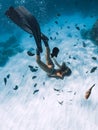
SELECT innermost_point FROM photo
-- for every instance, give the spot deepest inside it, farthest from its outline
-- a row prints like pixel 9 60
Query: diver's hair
pixel 64 67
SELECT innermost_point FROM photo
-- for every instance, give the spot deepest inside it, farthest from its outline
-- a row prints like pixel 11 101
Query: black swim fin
pixel 24 19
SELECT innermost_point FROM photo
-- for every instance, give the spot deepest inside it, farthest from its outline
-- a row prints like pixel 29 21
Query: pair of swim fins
pixel 25 20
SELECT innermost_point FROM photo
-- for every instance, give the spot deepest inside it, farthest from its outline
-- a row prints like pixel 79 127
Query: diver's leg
pixel 45 39
pixel 48 58
pixel 41 64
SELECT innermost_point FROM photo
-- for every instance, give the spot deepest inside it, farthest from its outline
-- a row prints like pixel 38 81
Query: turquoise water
pixel 44 11
pixel 31 100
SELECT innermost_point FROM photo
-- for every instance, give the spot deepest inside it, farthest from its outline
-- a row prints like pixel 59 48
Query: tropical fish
pixel 88 92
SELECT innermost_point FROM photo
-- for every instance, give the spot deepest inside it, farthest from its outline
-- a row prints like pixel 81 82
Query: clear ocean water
pixel 31 100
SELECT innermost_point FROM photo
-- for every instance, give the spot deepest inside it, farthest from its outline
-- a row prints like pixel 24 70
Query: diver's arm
pixel 55 76
pixel 55 61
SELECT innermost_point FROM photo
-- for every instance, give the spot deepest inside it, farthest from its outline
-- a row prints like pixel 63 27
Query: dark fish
pixel 56 22
pixel 43 83
pixel 94 58
pixel 35 84
pixel 61 103
pixel 30 53
pixel 74 93
pixel 77 28
pixel 84 25
pixel 34 77
pixel 35 91
pixel 56 89
pixel 16 87
pixel 74 58
pixel 8 76
pixel 57 33
pixel 75 45
pixel 5 81
pixel 68 62
pixel 51 38
pixel 68 27
pixel 32 68
pixel 93 69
